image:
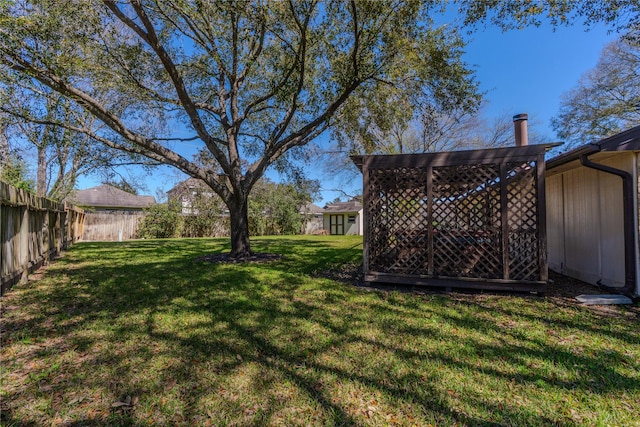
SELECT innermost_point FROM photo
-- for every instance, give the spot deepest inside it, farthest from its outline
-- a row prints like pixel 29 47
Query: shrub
pixel 160 222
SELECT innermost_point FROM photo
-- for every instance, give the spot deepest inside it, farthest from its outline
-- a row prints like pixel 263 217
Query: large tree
pixel 253 81
pixel 606 100
pixel 62 154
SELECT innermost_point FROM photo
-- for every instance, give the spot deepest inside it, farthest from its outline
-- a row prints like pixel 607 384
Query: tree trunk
pixel 238 212
pixel 4 148
pixel 41 184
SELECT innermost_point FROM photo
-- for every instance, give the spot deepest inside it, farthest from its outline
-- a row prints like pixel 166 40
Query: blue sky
pixel 527 71
pixel 523 71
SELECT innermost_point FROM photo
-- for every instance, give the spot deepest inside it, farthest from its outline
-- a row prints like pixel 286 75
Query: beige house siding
pixel 585 220
pixel 636 173
pixel 336 219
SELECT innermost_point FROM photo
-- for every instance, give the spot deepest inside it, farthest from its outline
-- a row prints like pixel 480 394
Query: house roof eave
pixel 628 140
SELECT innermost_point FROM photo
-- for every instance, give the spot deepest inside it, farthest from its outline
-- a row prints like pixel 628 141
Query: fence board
pixel 32 231
pixel 111 225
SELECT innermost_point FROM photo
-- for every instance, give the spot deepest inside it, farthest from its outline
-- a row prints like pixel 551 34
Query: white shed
pixel 592 212
pixel 343 218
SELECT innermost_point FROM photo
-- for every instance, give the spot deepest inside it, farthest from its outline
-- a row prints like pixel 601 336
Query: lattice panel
pixel 398 218
pixel 472 222
pixel 523 221
pixel 466 219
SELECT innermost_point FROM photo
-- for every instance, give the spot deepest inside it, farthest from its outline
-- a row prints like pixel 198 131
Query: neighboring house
pixel 107 198
pixel 313 221
pixel 592 212
pixel 110 213
pixel 187 192
pixel 343 218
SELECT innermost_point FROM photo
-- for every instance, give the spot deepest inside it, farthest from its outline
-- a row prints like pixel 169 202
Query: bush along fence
pixel 32 231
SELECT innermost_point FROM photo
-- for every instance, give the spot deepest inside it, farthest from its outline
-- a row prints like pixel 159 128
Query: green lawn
pixel 141 333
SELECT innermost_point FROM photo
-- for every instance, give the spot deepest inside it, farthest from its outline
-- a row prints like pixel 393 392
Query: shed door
pixel 336 224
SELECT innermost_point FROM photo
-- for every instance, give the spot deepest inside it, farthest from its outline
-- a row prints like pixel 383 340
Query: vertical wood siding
pixel 585 222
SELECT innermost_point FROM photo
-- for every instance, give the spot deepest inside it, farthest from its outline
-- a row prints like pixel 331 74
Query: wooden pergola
pixel 472 219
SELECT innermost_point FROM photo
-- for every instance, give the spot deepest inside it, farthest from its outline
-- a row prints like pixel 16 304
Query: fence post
pixel 32 230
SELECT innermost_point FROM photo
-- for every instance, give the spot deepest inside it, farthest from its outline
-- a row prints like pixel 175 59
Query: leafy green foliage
pixel 206 217
pixel 15 172
pixel 620 15
pixel 274 209
pixel 46 127
pixel 161 221
pixel 407 115
pixel 194 211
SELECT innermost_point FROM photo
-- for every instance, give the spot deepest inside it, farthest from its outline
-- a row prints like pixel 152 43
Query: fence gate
pixel 472 219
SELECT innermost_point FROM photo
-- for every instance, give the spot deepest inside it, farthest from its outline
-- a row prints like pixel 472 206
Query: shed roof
pixel 340 207
pixel 106 196
pixel 440 158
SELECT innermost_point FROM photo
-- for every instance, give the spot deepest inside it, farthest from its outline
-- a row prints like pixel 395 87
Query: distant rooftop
pixel 187 186
pixel 351 206
pixel 106 196
pixel 311 208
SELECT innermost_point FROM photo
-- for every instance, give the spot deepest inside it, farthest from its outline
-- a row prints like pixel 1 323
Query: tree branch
pixel 150 37
pixel 300 61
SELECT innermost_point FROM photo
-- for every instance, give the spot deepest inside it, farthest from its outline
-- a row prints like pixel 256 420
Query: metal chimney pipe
pixel 520 127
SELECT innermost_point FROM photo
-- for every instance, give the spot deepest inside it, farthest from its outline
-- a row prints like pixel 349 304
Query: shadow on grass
pixel 201 343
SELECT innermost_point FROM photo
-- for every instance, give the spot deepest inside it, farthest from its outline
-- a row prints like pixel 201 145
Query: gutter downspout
pixel 627 207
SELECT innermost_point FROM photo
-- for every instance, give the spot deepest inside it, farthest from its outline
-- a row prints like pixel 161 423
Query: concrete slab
pixel 603 299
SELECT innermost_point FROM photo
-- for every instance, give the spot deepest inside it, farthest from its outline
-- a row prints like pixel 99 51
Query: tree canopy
pixel 622 16
pixel 62 155
pixel 414 113
pixel 251 81
pixel 606 100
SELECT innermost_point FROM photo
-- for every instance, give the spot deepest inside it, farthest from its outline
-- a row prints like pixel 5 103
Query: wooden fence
pixel 32 231
pixel 111 225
